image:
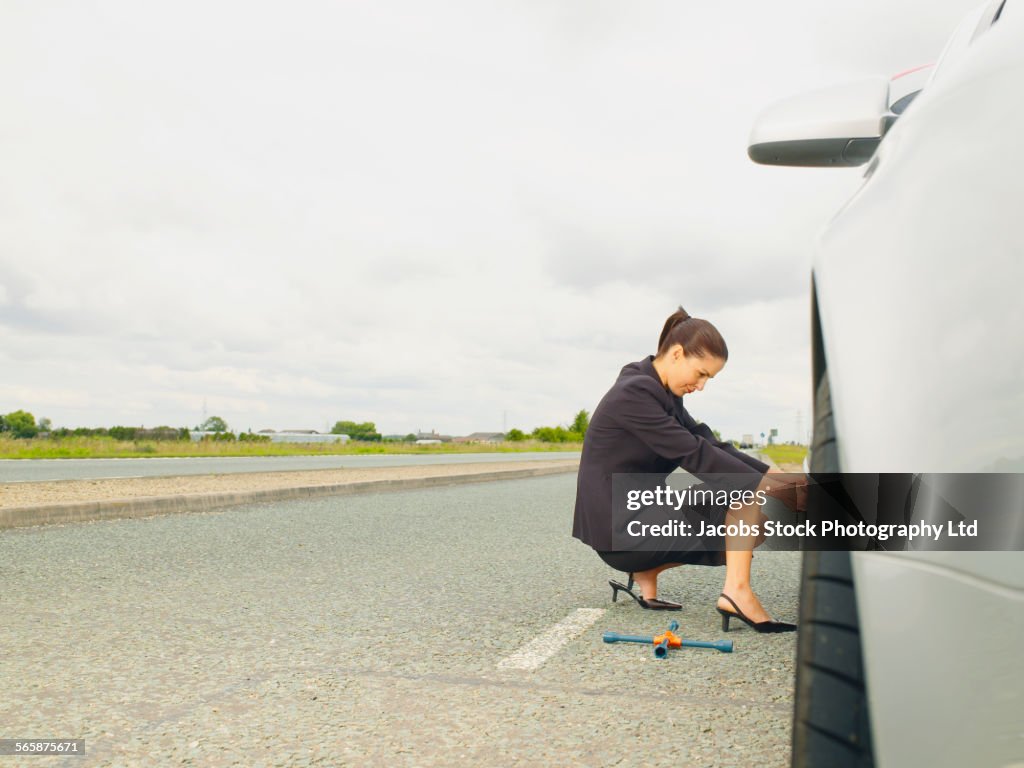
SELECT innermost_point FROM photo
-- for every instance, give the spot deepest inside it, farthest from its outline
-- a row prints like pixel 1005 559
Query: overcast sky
pixel 453 215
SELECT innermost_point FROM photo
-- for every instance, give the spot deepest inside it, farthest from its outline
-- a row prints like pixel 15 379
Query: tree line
pixel 573 433
pixel 22 424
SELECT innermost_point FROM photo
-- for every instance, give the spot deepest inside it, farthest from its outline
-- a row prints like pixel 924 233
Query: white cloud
pixel 421 215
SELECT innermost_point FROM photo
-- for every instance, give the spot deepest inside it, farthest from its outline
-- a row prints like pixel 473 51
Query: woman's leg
pixel 644 566
pixel 739 552
pixel 648 580
pixel 737 586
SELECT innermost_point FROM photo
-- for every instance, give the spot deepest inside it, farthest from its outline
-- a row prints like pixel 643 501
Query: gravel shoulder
pixel 21 495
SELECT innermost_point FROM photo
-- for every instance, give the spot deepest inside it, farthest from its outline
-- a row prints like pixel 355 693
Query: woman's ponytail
pixel 673 320
pixel 697 337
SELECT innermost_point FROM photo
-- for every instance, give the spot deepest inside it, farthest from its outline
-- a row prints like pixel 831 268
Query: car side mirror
pixel 838 126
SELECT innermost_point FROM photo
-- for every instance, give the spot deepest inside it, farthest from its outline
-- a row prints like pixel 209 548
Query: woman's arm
pixel 640 409
pixel 703 430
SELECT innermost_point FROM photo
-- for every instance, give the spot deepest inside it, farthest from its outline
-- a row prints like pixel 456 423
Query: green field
pixel 785 454
pixel 109 448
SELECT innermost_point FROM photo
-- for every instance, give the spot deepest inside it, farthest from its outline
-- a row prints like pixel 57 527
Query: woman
pixel 640 426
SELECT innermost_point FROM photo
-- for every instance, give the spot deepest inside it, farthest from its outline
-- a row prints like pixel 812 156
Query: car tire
pixel 824 451
pixel 831 722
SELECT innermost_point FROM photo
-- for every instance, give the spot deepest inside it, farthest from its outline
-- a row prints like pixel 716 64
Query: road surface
pixel 40 470
pixel 398 629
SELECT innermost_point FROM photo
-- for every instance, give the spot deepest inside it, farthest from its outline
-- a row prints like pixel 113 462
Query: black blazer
pixel 641 427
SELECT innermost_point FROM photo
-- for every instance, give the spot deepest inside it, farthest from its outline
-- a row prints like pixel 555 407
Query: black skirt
pixel 633 562
pixel 682 550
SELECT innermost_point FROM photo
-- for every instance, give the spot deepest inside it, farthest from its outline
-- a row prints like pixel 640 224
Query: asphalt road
pixel 375 630
pixel 41 470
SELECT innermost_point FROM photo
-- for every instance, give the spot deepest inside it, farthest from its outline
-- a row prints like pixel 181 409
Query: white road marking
pixel 544 646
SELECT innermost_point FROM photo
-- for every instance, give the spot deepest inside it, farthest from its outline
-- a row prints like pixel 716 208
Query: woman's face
pixel 684 374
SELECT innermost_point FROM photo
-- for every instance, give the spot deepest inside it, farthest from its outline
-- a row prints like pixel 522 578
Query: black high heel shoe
pixel 654 604
pixel 758 626
pixel 616 586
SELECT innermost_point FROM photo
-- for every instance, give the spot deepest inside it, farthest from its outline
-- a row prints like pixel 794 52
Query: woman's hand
pixel 788 487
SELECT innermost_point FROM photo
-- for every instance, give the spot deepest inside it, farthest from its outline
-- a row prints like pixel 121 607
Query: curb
pixel 90 511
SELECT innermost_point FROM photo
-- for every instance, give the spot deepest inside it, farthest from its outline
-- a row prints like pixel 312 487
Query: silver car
pixel 911 659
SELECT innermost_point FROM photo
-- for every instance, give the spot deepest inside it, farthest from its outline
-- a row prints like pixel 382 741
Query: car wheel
pixel 824 450
pixel 831 723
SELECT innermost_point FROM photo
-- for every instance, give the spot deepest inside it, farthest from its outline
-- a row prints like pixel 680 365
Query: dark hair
pixel 697 337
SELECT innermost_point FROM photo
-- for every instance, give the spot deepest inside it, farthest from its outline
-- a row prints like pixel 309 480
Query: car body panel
pixel 941 647
pixel 936 265
pixel 918 285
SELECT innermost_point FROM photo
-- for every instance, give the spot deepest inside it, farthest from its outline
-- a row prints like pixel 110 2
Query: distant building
pixel 433 436
pixel 481 437
pixel 284 436
pixel 303 436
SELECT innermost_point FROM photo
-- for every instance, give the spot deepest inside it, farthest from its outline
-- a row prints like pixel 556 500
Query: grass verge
pixel 109 448
pixel 785 454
